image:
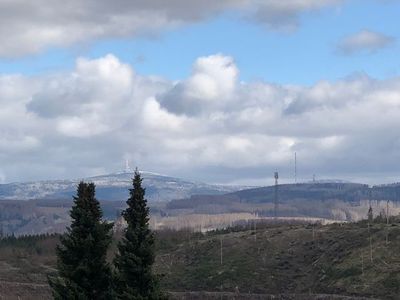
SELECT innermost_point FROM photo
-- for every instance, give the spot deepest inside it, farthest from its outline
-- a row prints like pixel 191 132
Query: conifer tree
pixel 135 257
pixel 83 272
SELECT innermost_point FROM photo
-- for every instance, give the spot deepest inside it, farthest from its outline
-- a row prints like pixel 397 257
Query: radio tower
pixel 127 167
pixel 295 167
pixel 276 196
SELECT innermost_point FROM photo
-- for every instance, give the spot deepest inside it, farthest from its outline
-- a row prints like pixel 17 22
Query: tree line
pixel 83 271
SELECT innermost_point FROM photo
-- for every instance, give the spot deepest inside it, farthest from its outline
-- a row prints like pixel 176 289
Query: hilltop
pixel 113 187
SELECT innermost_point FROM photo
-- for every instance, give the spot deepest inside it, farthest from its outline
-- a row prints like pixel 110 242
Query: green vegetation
pixel 278 259
pixel 294 259
pixel 135 256
pixel 83 272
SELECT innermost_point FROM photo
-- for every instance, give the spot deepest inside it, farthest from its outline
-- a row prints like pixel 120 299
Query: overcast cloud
pixel 86 121
pixel 28 27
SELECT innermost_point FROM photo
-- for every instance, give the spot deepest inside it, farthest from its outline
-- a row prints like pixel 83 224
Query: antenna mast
pixel 295 167
pixel 221 251
pixel 276 196
pixel 127 167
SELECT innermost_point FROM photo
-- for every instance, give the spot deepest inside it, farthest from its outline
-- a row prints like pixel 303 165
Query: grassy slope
pixel 282 259
pixel 287 259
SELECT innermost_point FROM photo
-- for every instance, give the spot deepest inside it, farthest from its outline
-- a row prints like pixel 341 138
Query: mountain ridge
pixel 114 186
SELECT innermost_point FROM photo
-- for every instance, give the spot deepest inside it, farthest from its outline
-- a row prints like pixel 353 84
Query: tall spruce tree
pixel 83 272
pixel 134 277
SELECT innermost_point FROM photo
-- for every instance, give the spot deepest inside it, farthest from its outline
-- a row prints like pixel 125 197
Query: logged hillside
pixel 298 259
pixel 273 259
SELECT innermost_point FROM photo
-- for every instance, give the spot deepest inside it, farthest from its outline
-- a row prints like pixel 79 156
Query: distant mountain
pixel 322 190
pixel 329 181
pixel 319 190
pixel 114 187
pixel 330 200
pixel 288 192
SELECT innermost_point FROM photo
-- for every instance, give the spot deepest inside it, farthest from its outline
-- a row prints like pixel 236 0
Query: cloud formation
pixel 213 82
pixel 364 41
pixel 284 15
pixel 32 27
pixel 209 126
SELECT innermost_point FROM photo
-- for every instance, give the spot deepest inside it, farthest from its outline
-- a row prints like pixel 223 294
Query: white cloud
pixel 157 118
pixel 17 144
pixel 33 26
pixel 211 85
pixel 81 127
pixel 213 77
pixel 364 40
pixel 100 84
pixel 72 123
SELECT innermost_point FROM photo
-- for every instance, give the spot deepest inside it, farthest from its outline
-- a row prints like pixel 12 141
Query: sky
pixel 215 91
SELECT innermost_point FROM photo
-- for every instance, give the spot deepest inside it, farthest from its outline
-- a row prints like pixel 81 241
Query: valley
pixel 177 203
